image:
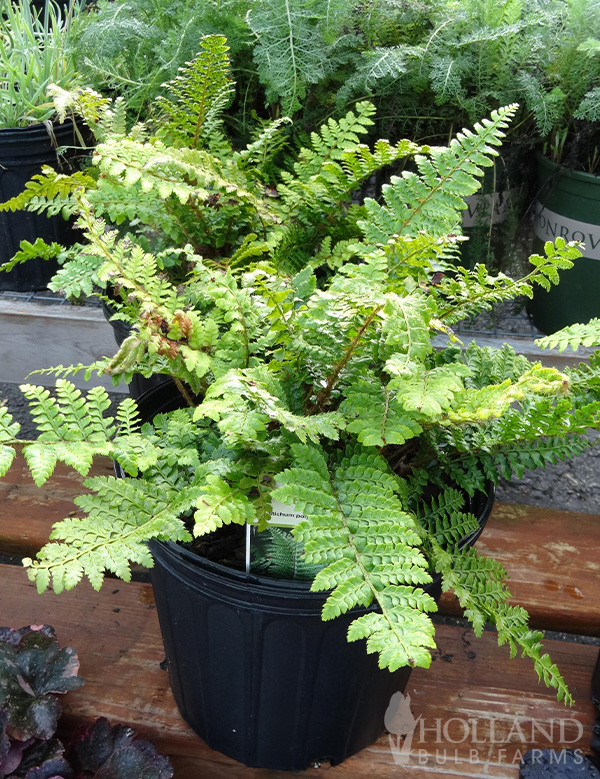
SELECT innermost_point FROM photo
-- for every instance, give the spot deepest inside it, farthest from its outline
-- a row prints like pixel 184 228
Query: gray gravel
pixel 573 485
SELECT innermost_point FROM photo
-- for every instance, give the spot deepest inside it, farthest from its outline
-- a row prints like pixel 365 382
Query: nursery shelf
pixel 473 711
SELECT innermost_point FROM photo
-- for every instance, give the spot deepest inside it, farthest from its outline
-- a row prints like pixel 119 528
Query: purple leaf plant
pixel 34 671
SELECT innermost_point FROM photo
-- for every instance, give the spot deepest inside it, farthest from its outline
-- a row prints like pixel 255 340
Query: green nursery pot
pixel 568 206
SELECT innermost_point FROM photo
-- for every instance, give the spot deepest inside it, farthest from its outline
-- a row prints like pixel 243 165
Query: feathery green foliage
pixel 199 94
pixel 320 388
pixel 187 191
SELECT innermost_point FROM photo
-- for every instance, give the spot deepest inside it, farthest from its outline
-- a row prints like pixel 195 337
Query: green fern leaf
pixel 41 461
pixel 433 198
pixel 199 94
pixel 572 337
pixel 123 515
pixel 7 455
pixel 377 415
pixel 290 53
pixel 219 504
pixel 9 429
pixel 351 510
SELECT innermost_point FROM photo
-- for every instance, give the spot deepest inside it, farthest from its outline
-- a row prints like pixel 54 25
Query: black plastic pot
pixel 23 151
pixel 64 5
pixel 254 669
pixel 257 673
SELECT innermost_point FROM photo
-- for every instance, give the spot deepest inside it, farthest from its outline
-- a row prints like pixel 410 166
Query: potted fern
pixel 32 58
pixel 334 396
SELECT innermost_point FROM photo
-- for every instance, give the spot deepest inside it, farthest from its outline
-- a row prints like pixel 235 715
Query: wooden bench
pixel 475 711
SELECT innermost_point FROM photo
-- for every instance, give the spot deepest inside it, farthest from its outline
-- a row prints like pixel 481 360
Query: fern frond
pixel 219 504
pixel 74 429
pixel 122 515
pixel 199 95
pixel 572 337
pixel 368 542
pixel 101 116
pixel 255 399
pixel 445 519
pixel 493 366
pixel 49 192
pixel 492 401
pixel 469 292
pixel 433 199
pixel 335 139
pixel 377 415
pixel 30 251
pixel 478 583
pixel 9 431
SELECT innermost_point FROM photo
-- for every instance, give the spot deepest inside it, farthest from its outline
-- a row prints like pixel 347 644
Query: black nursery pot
pixel 23 151
pixel 254 669
pixel 257 673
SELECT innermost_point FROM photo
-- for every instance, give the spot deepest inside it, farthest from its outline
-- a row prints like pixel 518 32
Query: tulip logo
pixel 401 724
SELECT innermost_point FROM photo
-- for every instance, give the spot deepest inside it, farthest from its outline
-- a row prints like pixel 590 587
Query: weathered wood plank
pixel 553 564
pixel 116 635
pixel 27 512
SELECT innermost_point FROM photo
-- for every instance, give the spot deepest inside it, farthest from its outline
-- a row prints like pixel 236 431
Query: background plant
pixel 131 49
pixel 33 55
pixel 34 670
pixel 228 204
pixel 566 98
pixel 305 59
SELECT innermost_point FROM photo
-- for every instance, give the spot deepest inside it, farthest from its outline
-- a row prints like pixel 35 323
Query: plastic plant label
pixel 283 515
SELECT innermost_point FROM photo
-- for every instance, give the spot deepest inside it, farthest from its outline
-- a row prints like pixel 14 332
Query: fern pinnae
pixel 465 574
pixel 572 337
pixel 91 545
pixel 335 505
pixel 324 395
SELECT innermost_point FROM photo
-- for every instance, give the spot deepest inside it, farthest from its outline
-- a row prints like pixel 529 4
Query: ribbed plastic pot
pixel 568 206
pixel 23 151
pixel 254 669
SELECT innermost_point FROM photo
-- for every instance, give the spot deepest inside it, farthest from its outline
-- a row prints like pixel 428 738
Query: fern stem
pixel 324 395
pixel 185 394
